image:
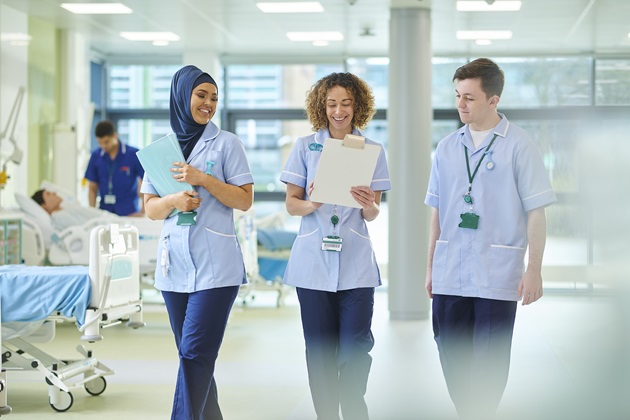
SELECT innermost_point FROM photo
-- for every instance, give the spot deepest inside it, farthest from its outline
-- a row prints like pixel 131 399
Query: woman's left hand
pixel 364 196
pixel 183 172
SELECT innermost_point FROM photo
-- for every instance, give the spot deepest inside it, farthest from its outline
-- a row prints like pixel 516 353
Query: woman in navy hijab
pixel 200 264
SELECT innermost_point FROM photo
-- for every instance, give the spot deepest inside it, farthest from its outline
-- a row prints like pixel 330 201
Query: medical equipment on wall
pixel 16 156
pixel 10 238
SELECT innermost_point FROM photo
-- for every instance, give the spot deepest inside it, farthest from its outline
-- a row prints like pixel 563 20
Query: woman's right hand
pixel 314 204
pixel 186 200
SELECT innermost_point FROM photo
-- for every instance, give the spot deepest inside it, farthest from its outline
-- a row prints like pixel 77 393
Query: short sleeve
pixel 91 171
pixel 532 180
pixel 381 180
pixel 235 166
pixel 432 198
pixel 295 169
pixel 147 187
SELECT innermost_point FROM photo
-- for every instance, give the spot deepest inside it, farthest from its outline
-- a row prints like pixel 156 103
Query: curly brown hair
pixel 360 92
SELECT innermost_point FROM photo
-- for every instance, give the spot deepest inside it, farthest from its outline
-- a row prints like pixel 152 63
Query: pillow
pixel 37 213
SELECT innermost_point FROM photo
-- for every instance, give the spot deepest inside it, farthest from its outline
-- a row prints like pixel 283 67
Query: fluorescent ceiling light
pixel 97 8
pixel 291 7
pixel 321 43
pixel 483 6
pixel 377 61
pixel 15 37
pixel 150 36
pixel 160 43
pixel 483 42
pixel 315 36
pixel 484 34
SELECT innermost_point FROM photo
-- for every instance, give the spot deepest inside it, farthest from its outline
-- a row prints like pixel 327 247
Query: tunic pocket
pixel 224 255
pixel 363 253
pixel 507 265
pixel 440 256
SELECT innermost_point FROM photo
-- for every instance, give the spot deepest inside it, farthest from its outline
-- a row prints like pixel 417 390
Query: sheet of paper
pixel 341 168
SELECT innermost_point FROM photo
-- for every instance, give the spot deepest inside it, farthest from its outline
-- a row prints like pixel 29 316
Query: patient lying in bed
pixel 69 214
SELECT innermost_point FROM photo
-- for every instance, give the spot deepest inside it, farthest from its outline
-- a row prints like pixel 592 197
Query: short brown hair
pixel 357 88
pixel 490 74
pixel 104 128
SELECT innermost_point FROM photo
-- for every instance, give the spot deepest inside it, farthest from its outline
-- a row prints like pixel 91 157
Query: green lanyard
pixel 467 197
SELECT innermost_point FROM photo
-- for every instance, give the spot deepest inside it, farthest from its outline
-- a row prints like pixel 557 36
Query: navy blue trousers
pixel 198 321
pixel 474 338
pixel 337 332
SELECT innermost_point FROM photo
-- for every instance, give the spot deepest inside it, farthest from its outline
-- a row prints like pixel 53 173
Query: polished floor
pixel 567 363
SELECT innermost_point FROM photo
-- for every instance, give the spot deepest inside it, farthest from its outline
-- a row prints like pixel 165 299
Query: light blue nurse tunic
pixel 487 262
pixel 206 255
pixel 311 268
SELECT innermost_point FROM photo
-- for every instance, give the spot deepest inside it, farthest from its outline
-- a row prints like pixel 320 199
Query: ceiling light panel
pixel 484 34
pixel 97 8
pixel 315 36
pixel 150 36
pixel 291 7
pixel 483 6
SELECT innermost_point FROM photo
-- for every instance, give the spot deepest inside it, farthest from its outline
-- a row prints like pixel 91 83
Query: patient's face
pixel 52 202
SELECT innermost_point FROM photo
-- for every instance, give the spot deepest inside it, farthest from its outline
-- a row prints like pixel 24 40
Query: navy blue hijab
pixel 188 131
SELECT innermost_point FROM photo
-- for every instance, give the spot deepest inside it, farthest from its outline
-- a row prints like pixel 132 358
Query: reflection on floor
pixel 566 364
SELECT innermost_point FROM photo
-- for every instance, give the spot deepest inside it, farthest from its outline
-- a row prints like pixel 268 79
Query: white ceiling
pixel 236 28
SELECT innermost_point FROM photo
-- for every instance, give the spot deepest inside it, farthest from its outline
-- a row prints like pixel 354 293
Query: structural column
pixel 409 123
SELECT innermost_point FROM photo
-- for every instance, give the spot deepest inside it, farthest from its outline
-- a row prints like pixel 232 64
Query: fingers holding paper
pixel 369 201
pixel 183 172
pixel 363 195
pixel 311 188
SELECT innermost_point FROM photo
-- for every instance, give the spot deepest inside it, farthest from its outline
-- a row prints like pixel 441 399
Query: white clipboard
pixel 344 164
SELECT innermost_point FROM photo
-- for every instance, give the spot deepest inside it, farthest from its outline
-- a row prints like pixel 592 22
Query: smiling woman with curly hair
pixel 335 287
pixel 358 90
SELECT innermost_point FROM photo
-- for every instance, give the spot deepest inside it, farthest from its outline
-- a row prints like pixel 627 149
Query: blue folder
pixel 157 160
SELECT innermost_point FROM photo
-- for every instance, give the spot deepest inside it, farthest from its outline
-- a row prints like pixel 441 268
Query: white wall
pixel 13 74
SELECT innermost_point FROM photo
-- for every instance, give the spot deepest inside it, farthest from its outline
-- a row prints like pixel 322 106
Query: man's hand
pixel 530 287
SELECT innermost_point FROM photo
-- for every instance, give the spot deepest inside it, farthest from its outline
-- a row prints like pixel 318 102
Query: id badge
pixel 469 221
pixel 332 243
pixel 187 218
pixel 109 199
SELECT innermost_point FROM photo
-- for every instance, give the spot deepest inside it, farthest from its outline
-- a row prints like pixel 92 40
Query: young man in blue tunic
pixel 114 173
pixel 488 189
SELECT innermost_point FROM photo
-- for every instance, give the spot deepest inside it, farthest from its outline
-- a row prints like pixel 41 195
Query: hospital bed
pixel 33 299
pixel 264 270
pixel 42 244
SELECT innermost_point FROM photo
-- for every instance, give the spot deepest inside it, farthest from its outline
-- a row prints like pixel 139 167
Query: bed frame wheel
pixel 96 386
pixel 65 402
pixel 5 410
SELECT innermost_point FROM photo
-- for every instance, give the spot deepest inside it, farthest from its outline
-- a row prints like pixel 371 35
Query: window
pixel 545 82
pixel 612 82
pixel 272 86
pixel 133 87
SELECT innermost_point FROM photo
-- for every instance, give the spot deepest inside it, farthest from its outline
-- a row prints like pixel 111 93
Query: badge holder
pixel 469 221
pixel 332 243
pixel 187 218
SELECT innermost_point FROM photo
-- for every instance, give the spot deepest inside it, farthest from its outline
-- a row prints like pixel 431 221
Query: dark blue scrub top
pixel 126 171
